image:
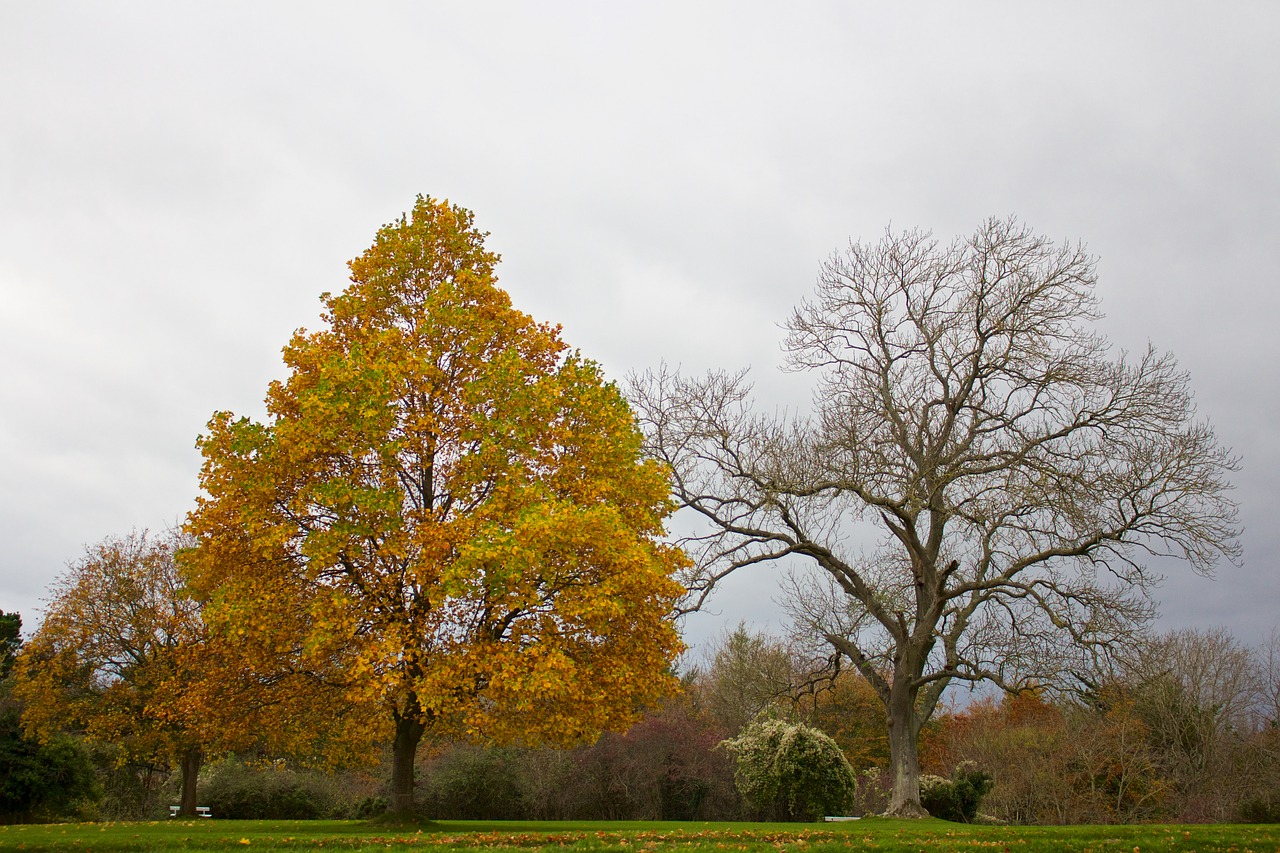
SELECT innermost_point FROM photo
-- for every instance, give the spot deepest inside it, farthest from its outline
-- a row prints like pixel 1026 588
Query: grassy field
pixel 881 835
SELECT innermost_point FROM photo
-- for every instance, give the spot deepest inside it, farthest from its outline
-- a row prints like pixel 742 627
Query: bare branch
pixel 1018 472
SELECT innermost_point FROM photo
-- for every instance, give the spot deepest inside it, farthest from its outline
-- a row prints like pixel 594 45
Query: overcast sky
pixel 180 181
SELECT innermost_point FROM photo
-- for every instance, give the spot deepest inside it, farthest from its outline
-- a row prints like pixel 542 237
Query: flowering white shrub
pixel 789 771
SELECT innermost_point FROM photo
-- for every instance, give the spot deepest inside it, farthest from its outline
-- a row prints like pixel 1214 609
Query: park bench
pixel 201 811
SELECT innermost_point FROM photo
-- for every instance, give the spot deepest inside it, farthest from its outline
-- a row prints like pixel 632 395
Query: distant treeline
pixel 1186 732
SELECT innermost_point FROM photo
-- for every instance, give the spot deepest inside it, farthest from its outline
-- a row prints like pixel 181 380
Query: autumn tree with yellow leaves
pixel 119 648
pixel 446 524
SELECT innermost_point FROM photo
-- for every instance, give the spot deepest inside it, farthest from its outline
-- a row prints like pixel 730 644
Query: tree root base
pixel 907 810
pixel 393 820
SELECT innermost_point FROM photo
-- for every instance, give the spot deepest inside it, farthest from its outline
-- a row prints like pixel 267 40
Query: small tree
pixel 1196 694
pixel 846 707
pixel 747 673
pixel 789 771
pixel 115 656
pixel 1016 472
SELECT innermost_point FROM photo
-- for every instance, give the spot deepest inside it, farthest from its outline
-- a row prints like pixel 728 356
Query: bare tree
pixel 1017 471
pixel 1197 691
pixel 1268 663
pixel 1267 722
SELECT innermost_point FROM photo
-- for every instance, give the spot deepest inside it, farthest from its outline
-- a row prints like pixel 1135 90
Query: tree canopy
pixel 446 525
pixel 115 655
pixel 1014 471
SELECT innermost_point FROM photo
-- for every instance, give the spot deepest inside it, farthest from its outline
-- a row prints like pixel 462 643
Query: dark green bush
pixel 958 798
pixel 268 791
pixel 1260 810
pixel 40 782
pixel 466 782
pixel 369 807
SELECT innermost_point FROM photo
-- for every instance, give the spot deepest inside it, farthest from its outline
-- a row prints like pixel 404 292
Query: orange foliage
pixel 446 518
pixel 116 653
pixel 1054 762
pixel 851 712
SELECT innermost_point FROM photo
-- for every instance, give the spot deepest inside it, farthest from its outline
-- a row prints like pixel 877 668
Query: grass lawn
pixel 876 834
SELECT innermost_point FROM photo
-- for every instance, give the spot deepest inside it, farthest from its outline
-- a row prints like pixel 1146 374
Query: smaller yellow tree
pixel 115 655
pixel 446 527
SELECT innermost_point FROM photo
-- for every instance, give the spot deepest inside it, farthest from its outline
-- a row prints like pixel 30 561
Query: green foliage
pixel 132 789
pixel 468 782
pixel 369 808
pixel 10 640
pixel 40 781
pixel 788 771
pixel 1264 809
pixel 958 798
pixel 238 790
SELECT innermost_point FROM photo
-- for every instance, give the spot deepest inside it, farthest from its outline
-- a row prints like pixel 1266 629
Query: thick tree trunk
pixel 191 760
pixel 404 751
pixel 904 755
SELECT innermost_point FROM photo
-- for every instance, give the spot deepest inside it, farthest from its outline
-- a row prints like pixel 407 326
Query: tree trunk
pixel 404 750
pixel 904 755
pixel 191 760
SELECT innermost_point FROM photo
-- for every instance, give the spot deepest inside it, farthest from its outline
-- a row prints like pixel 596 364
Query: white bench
pixel 201 811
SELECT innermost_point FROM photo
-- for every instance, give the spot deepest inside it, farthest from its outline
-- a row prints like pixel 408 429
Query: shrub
pixel 369 808
pixel 1260 810
pixel 132 790
pixel 467 782
pixel 267 791
pixel 666 767
pixel 789 771
pixel 40 781
pixel 958 798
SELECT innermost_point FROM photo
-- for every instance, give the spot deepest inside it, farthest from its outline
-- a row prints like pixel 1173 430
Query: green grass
pixel 880 835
